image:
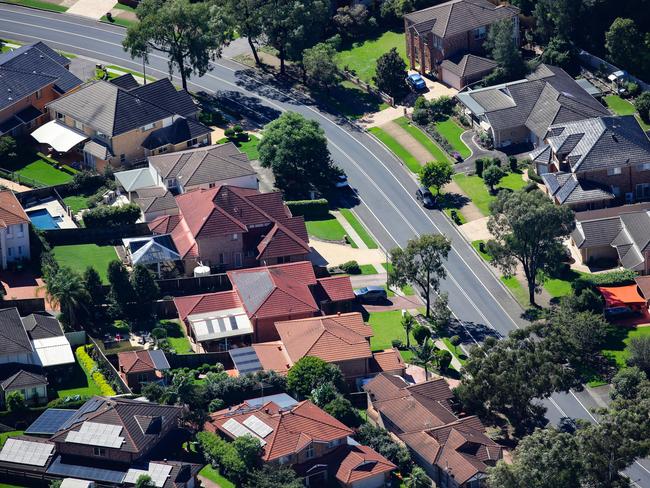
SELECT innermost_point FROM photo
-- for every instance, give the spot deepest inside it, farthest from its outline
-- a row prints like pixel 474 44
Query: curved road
pixel 385 189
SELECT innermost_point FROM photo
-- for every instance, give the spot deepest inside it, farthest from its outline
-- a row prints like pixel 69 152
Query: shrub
pixel 397 343
pixel 87 182
pixel 512 162
pixel 16 402
pixel 613 278
pixel 351 267
pixel 439 138
pixel 631 89
pixel 421 112
pixel 212 117
pixel 530 186
pixel 533 176
pixel 381 441
pixel 642 105
pixel 110 216
pixel 479 166
pixel 485 140
pixel 229 133
pixel 310 209
pixel 89 365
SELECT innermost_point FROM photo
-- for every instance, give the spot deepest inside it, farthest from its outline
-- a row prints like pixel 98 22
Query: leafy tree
pixel 436 174
pixel 93 285
pixel 189 34
pixel 145 291
pixel 291 27
pixel 557 18
pixel 501 44
pixel 627 383
pixel 622 42
pixel 642 105
pixel 417 479
pixel 443 358
pixel 421 333
pixel 144 481
pixel 547 458
pixel 563 53
pixel 296 151
pixel 15 401
pixel 455 341
pixel 381 441
pixel 421 262
pixel 391 74
pixel 440 311
pixel 408 322
pixel 342 410
pixel 639 353
pixel 122 294
pixel 324 393
pixel 249 449
pixel 153 392
pixel 65 289
pixel 309 372
pixel 528 228
pixel 7 147
pixel 248 22
pixel 319 65
pixel 492 176
pixel 272 475
pixel 424 355
pixel 351 22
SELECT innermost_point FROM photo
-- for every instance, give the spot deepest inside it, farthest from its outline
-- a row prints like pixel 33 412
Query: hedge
pixel 89 365
pixel 310 209
pixel 613 278
pixel 110 216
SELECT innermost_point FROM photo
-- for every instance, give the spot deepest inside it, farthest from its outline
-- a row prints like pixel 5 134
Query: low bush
pixel 351 267
pixel 88 182
pixel 310 209
pixel 212 117
pixel 110 216
pixel 613 278
pixel 397 343
pixel 512 162
pixel 533 176
pixel 89 365
pixel 439 138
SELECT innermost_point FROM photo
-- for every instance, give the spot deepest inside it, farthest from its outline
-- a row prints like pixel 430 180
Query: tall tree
pixel 528 228
pixel 622 42
pixel 309 372
pixel 422 263
pixel 319 65
pixel 407 323
pixel 639 349
pixel 248 21
pixel 189 34
pixel 492 175
pixel 121 296
pixel 65 289
pixel 500 43
pixel 390 74
pixel 292 26
pixel 145 291
pixel 417 479
pixel 436 174
pixel 296 151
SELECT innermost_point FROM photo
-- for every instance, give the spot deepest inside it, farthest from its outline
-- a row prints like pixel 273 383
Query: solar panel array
pixel 90 406
pixel 158 472
pixel 257 426
pixel 50 421
pixel 96 434
pixel 26 452
pixel 245 360
pixel 239 430
pixel 159 360
pixel 85 472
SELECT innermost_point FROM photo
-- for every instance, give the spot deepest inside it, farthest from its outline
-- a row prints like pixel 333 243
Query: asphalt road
pixel 384 187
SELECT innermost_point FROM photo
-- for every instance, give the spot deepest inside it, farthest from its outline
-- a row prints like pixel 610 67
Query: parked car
pixel 425 197
pixel 341 181
pixel 456 155
pixel 416 82
pixel 371 294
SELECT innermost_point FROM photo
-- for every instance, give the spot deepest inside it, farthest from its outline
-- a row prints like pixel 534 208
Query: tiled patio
pixel 55 209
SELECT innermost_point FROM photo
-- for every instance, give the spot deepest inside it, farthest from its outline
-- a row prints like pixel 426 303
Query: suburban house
pixel 14 229
pixel 230 227
pixel 107 441
pixel 520 112
pixel 153 186
pixel 446 40
pixel 341 339
pixel 455 452
pixel 305 437
pixel 260 297
pixel 140 367
pixel 615 236
pixel 28 380
pixel 101 123
pixel 588 164
pixel 31 76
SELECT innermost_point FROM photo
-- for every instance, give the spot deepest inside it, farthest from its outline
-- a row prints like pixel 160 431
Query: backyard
pixel 76 203
pixel 249 147
pixel 36 169
pixel 80 256
pixel 623 107
pixel 215 476
pixel 474 187
pixel 178 340
pixel 77 382
pixel 361 57
pixel 619 339
pixel 451 131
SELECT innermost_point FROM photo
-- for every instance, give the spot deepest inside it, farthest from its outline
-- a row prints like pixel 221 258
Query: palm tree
pixel 408 322
pixel 424 355
pixel 417 479
pixel 65 289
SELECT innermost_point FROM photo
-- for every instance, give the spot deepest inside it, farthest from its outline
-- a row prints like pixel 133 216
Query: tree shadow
pixel 470 331
pixel 453 201
pixel 249 110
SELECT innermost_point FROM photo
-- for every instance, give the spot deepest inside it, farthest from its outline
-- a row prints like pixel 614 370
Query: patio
pixel 57 213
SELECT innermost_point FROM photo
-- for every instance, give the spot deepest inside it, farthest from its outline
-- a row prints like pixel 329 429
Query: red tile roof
pixel 209 302
pixel 337 288
pixel 293 429
pixel 11 211
pixel 389 360
pixel 273 356
pixel 135 361
pixel 164 224
pixel 356 463
pixel 332 338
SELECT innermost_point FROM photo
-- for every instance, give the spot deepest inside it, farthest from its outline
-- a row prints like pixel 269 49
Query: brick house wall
pixel 221 250
pixel 354 368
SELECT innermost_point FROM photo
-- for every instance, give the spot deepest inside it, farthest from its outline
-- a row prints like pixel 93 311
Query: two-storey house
pixel 14 230
pixel 446 40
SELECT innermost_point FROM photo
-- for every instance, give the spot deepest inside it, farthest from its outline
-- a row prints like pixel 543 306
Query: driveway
pixel 467 166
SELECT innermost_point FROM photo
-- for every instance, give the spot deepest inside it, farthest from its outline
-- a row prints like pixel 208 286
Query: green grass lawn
pixel 119 21
pixel 621 106
pixel 349 100
pixel 400 151
pixel 328 229
pixel 76 202
pixel 386 326
pixel 126 8
pixel 6 435
pixel 476 245
pixel 436 151
pixel 519 292
pixel 39 4
pixel 560 286
pixel 513 181
pixel 213 475
pixel 43 173
pixel 451 131
pixel 78 382
pixel 357 226
pixel 249 146
pixel 367 269
pixel 362 57
pixel 616 348
pixel 456 351
pixel 179 340
pixel 79 256
pixel 477 191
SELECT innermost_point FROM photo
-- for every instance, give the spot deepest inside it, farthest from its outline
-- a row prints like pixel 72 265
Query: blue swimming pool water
pixel 42 219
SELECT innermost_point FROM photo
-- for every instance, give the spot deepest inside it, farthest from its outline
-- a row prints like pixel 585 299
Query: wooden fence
pixel 109 369
pixel 95 235
pixel 192 285
pixel 25 306
pixel 595 62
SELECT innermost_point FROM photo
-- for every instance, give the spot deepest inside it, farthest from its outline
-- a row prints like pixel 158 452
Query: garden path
pixel 12 185
pixel 409 142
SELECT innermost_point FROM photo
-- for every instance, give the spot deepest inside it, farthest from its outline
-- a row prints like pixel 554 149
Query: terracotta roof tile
pixel 135 361
pixel 389 360
pixel 360 462
pixel 273 356
pixel 11 211
pixel 337 288
pixel 208 302
pixel 164 224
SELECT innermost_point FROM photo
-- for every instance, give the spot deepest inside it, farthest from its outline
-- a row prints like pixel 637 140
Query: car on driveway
pixel 425 197
pixel 371 294
pixel 416 82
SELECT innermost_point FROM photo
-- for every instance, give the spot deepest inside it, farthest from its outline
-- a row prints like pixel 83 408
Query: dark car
pixel 425 197
pixel 416 82
pixel 371 294
pixel 456 155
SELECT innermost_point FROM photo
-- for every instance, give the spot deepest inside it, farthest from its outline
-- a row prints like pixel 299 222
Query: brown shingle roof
pixel 11 211
pixel 135 361
pixel 337 288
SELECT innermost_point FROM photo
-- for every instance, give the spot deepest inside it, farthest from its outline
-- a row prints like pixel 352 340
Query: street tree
pixel 455 341
pixel 627 383
pixel 500 43
pixel 421 262
pixel 248 22
pixel 622 42
pixel 440 312
pixel 528 228
pixel 639 353
pixel 309 372
pixel 293 26
pixel 320 67
pixel 65 289
pixel 190 34
pixel 492 176
pixel 424 355
pixel 408 322
pixel 443 358
pixel 391 74
pixel 295 149
pixel 436 174
pixel 421 333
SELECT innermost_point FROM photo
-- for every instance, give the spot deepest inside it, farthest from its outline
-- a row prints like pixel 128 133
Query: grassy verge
pixel 408 289
pixel 436 151
pixel 215 476
pixel 52 7
pixel 328 229
pixel 519 292
pixel 367 269
pixel 79 256
pixel 359 228
pixel 477 245
pixel 451 131
pixel 119 21
pixel 456 351
pixel 400 151
pixel 361 57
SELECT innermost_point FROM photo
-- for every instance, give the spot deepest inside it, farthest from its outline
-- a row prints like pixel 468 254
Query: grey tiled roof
pixel 126 81
pixel 177 101
pixel 469 65
pixel 13 337
pixel 97 149
pixel 155 199
pixel 180 130
pixel 594 233
pixel 253 288
pixel 567 188
pixel 458 16
pixel 39 326
pixel 23 379
pixel 16 85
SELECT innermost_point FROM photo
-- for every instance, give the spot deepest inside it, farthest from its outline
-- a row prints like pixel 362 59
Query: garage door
pixel 451 79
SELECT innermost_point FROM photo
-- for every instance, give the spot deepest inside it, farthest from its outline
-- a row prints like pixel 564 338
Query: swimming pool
pixel 42 219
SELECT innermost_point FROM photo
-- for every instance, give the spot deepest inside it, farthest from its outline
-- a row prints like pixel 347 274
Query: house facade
pixel 439 38
pixel 14 230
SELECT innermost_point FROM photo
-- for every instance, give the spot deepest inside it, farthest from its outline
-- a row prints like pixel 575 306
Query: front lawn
pixel 119 21
pixel 52 7
pixel 368 269
pixel 79 256
pixel 518 290
pixel 451 131
pixel 477 191
pixel 456 351
pixel 560 286
pixel 387 326
pixel 436 151
pixel 512 181
pixel 361 57
pixel 619 339
pixel 477 245
pixel 400 151
pixel 328 229
pixel 249 147
pixel 215 476
pixel 623 107
pixel 78 382
pixel 350 100
pixel 358 227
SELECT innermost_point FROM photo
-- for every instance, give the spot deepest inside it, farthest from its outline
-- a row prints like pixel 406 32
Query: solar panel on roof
pixel 245 360
pixel 26 452
pixel 96 434
pixel 159 360
pixel 50 421
pixel 85 472
pixel 158 473
pixel 238 430
pixel 257 426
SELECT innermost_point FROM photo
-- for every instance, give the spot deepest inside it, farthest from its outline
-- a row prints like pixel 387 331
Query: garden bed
pixel 451 131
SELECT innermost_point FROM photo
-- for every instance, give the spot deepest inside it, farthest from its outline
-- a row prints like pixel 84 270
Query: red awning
pixel 621 296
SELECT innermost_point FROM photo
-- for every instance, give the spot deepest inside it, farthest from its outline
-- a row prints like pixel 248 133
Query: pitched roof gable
pixel 13 336
pixel 11 211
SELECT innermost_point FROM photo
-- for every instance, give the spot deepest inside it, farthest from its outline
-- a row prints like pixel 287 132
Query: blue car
pixel 416 82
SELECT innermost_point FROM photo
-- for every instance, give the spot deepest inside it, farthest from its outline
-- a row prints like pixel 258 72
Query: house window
pixel 192 142
pixel 122 158
pixel 643 191
pixel 309 452
pixel 99 451
pixel 235 237
pixel 644 167
pixel 614 171
pixel 10 251
pixel 222 259
pixel 480 33
pixel 78 125
pixel 437 42
pixel 147 127
pixel 284 259
pixel 163 149
pixel 142 378
pixel 334 443
pixel 39 94
pixel 238 260
pixel 59 116
pixel 21 230
pixel 20 250
pixel 284 459
pixel 250 254
pixel 212 185
pixel 100 135
pixel 172 183
pixel 616 190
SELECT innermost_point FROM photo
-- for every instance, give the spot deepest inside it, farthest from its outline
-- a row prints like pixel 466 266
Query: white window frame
pixel 39 94
pixel 614 171
pixel 644 167
pixel 310 452
pixel 147 127
pixel 78 125
pixel 99 451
